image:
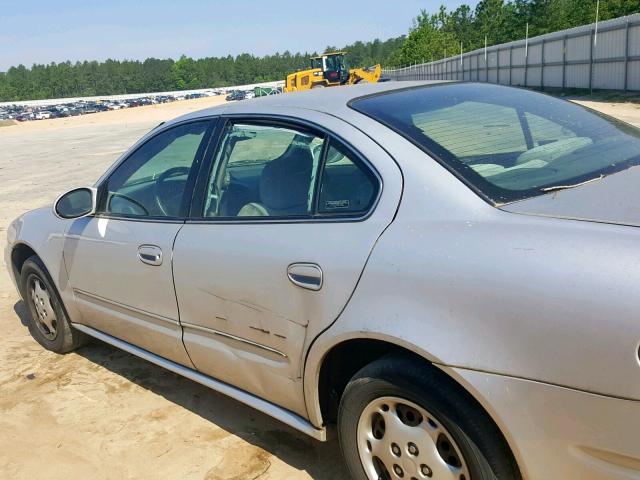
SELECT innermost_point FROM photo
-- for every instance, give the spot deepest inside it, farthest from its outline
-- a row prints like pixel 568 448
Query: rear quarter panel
pixel 467 285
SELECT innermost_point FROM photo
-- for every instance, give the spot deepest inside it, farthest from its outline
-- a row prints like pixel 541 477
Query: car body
pixel 87 108
pixel 42 115
pixel 421 244
pixel 236 95
pixel 25 116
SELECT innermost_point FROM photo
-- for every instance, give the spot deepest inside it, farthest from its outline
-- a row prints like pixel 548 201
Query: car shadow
pixel 321 460
pixel 21 311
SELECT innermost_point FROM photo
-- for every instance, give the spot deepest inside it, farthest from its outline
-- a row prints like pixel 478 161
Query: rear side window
pixel 347 186
pixel 507 143
pixel 284 172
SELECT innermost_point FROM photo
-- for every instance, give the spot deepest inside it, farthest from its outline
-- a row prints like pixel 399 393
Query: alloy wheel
pixel 398 439
pixel 45 316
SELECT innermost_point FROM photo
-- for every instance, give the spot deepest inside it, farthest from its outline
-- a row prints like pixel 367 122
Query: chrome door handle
pixel 150 254
pixel 305 275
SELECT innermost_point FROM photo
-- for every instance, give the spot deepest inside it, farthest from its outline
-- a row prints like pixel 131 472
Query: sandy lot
pixel 102 413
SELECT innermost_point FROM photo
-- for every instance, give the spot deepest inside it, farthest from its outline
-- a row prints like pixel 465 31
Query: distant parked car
pixel 42 115
pixel 88 108
pixel 236 95
pixel 24 117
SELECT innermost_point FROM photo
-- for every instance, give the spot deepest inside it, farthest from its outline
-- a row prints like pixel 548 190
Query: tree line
pixel 439 35
pixel 92 78
pixel 432 37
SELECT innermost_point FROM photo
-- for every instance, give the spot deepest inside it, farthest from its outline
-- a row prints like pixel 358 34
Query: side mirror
pixel 76 203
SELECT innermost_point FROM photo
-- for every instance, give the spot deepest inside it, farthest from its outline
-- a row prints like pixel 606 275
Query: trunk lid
pixel 613 199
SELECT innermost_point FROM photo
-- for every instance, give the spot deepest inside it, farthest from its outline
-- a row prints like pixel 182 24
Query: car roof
pixel 326 100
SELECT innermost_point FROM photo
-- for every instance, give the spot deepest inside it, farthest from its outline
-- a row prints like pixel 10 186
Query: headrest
pixel 285 181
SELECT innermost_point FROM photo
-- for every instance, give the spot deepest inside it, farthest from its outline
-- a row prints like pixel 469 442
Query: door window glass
pixel 347 186
pixel 152 181
pixel 264 171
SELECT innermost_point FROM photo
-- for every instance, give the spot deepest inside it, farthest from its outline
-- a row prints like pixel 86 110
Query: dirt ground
pixel 101 413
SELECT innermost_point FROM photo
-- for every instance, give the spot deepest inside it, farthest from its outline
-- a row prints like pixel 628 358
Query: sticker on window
pixel 335 204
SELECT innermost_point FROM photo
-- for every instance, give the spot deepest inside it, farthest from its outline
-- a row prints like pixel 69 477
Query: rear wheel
pixel 318 85
pixel 48 322
pixel 401 420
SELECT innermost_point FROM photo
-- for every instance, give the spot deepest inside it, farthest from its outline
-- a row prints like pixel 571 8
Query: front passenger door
pixel 119 261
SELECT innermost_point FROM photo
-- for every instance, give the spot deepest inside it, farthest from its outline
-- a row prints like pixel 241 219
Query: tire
pixel 48 321
pixel 423 405
pixel 318 85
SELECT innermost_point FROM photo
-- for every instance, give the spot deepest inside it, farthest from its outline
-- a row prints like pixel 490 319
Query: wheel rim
pixel 398 439
pixel 45 316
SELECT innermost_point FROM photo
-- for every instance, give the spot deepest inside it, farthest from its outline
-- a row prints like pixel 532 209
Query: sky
pixel 44 31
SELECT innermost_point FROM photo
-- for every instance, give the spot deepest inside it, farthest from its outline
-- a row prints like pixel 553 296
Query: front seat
pixel 284 185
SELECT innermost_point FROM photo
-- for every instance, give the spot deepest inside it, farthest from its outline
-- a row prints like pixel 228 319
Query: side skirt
pixel 279 413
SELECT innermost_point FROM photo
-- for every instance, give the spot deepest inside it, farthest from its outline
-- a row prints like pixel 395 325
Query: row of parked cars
pixel 23 113
pixel 239 95
pixel 256 92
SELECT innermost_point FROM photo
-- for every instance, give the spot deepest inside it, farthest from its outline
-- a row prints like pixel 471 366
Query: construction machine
pixel 330 70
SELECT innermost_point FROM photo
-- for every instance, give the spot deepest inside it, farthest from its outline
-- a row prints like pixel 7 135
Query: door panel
pixel 233 279
pixel 116 292
pixel 245 322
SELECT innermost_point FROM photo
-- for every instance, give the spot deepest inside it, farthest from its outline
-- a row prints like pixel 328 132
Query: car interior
pixel 284 186
pixel 151 182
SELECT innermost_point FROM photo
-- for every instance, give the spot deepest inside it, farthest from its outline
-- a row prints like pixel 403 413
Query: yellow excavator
pixel 330 70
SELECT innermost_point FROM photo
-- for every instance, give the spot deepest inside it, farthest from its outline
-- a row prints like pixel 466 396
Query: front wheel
pixel 401 419
pixel 48 322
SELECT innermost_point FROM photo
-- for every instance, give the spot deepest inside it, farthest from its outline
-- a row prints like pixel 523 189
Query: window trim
pixel 194 174
pixel 284 121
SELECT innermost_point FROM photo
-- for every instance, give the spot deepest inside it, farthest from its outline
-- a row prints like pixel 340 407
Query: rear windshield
pixel 507 143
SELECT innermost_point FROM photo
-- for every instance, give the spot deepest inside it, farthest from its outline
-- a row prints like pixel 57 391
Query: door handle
pixel 305 275
pixel 150 254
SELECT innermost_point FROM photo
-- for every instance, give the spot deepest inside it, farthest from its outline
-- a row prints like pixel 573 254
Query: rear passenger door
pixel 269 258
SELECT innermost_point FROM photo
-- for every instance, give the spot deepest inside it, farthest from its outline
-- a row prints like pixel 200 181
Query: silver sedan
pixel 448 273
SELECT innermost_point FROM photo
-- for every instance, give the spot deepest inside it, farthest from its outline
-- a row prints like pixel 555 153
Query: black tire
pixel 481 443
pixel 65 338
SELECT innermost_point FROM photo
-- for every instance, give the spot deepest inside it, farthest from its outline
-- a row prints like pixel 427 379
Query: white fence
pixel 573 58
